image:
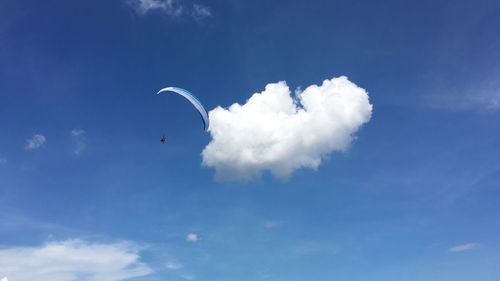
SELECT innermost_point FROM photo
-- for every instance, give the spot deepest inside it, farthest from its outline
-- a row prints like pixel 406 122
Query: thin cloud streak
pixel 464 247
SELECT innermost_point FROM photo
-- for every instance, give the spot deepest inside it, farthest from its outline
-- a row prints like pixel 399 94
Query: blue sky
pixel 85 183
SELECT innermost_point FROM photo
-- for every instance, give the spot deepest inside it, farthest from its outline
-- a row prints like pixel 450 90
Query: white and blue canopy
pixel 191 98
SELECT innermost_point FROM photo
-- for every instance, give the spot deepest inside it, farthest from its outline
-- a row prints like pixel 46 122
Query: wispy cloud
pixel 464 247
pixel 80 140
pixel 192 237
pixel 35 142
pixel 13 220
pixel 77 132
pixel 171 8
pixel 199 12
pixel 73 260
pixel 483 94
pixel 173 265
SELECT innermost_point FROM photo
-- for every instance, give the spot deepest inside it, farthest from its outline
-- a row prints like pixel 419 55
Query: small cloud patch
pixel 77 132
pixel 192 237
pixel 35 142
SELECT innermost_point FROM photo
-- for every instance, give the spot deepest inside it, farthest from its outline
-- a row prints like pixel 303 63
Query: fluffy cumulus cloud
pixel 278 132
pixel 464 247
pixel 172 8
pixel 73 260
pixel 35 142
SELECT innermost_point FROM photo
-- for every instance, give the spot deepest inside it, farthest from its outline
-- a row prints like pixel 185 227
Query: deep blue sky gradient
pixel 422 176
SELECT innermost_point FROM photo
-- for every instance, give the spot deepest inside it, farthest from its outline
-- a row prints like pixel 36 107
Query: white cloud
pixel 276 132
pixel 35 142
pixel 173 265
pixel 4 279
pixel 172 8
pixel 80 141
pixel 200 12
pixel 464 247
pixel 192 237
pixel 73 260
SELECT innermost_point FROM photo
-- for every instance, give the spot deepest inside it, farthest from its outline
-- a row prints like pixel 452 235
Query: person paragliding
pixel 193 100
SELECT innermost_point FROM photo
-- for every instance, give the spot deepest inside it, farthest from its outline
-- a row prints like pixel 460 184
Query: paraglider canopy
pixel 194 101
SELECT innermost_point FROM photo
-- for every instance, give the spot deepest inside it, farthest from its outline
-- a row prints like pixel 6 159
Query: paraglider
pixel 194 101
pixel 163 139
